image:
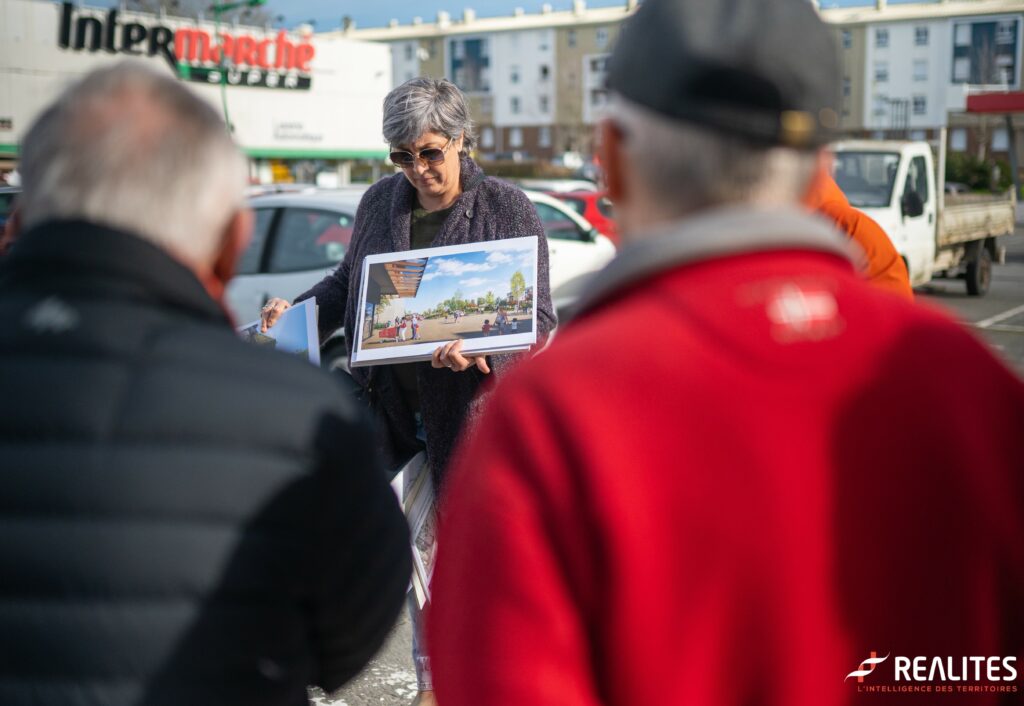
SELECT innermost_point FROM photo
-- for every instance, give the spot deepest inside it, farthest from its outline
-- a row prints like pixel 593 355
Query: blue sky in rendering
pixel 471 273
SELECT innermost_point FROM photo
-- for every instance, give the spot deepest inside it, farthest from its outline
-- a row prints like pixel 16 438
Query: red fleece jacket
pixel 728 486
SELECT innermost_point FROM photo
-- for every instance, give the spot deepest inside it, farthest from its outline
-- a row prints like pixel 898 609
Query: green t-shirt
pixel 425 227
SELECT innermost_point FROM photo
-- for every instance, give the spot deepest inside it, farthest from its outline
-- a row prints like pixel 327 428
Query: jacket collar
pixel 403 199
pixel 712 234
pixel 66 250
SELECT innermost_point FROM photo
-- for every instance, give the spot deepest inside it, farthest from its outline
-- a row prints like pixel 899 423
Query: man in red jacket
pixel 742 475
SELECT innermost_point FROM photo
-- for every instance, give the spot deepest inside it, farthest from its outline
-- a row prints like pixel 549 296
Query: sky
pixel 327 14
pixel 473 274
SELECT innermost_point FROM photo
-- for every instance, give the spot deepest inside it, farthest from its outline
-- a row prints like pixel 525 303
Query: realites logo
pixel 866 667
pixel 196 55
pixel 937 675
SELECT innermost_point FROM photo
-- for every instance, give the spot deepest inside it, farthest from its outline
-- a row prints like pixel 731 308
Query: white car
pixel 299 238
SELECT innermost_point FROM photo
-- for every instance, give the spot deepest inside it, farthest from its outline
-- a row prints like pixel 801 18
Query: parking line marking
pixel 985 323
pixel 1005 328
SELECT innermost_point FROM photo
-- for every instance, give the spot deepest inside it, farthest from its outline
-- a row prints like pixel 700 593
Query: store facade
pixel 303 107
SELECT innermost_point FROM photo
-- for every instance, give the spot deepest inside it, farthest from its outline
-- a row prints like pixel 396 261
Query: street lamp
pixel 218 10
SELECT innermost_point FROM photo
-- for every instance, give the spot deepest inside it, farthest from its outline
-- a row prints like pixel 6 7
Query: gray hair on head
pixel 427 105
pixel 131 148
pixel 686 167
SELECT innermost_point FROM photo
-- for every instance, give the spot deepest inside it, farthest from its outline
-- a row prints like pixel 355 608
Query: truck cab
pixel 894 183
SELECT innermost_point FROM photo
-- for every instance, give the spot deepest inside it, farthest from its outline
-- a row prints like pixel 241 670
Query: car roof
pixel 584 195
pixel 346 198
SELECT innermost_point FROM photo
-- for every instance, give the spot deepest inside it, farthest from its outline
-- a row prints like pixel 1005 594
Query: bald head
pixel 131 148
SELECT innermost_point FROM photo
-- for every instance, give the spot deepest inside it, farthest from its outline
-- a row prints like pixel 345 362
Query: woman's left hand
pixel 450 356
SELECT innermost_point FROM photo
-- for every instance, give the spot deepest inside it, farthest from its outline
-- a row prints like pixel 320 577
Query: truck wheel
pixel 979 272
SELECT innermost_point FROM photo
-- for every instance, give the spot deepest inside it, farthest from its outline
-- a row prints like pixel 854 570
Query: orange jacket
pixel 884 267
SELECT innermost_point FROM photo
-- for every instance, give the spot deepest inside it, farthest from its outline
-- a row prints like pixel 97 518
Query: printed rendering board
pixel 414 301
pixel 295 332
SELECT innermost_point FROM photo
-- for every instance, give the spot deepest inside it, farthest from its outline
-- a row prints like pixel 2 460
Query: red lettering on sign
pixel 261 53
pixel 283 51
pixel 192 45
pixel 245 51
pixel 303 55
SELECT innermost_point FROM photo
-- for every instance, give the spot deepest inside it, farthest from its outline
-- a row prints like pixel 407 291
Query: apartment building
pixel 910 70
pixel 536 81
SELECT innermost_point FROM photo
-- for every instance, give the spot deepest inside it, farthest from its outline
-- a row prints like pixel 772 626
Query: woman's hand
pixel 450 356
pixel 271 312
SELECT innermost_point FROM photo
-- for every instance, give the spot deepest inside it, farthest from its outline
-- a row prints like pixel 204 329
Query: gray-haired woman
pixel 441 197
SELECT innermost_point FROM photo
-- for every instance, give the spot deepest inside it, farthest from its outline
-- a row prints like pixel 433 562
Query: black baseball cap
pixel 766 70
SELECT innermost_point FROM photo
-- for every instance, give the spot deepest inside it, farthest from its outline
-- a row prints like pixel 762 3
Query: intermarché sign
pixel 192 52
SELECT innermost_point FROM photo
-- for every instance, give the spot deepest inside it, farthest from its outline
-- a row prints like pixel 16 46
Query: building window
pixel 598 97
pixel 847 39
pixel 920 105
pixel 571 38
pixel 514 105
pixel 918 135
pixel 920 70
pixel 513 75
pixel 515 137
pixel 847 87
pixel 602 37
pixel 921 36
pixel 881 38
pixel 1000 140
pixel 545 72
pixel 487 137
pixel 544 137
pixel 881 71
pixel 470 64
pixel 881 106
pixel 961 70
pixel 987 52
pixel 408 52
pixel 545 104
pixel 958 139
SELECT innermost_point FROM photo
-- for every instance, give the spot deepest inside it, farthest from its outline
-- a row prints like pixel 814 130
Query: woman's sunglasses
pixel 430 155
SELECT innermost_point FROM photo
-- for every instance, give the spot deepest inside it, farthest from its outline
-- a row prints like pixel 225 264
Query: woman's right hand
pixel 271 312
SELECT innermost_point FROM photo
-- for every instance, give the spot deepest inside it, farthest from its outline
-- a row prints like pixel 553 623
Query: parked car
pixel 559 185
pixel 298 238
pixel 595 206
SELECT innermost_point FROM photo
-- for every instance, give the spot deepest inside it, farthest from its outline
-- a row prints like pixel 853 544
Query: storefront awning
pixel 289 153
pixel 1008 102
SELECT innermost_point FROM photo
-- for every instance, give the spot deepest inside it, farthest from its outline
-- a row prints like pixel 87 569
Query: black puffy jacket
pixel 184 518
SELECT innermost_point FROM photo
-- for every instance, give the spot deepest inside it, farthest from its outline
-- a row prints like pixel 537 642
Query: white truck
pixel 937 234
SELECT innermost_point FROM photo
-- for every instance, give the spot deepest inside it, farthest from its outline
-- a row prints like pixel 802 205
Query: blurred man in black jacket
pixel 187 519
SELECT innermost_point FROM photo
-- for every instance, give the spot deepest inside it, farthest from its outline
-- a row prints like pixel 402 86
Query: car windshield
pixel 867 178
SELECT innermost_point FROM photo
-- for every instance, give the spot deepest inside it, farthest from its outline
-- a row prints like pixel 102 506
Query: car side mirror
pixel 912 205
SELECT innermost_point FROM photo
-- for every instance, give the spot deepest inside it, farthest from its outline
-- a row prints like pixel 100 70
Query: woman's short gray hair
pixel 427 105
